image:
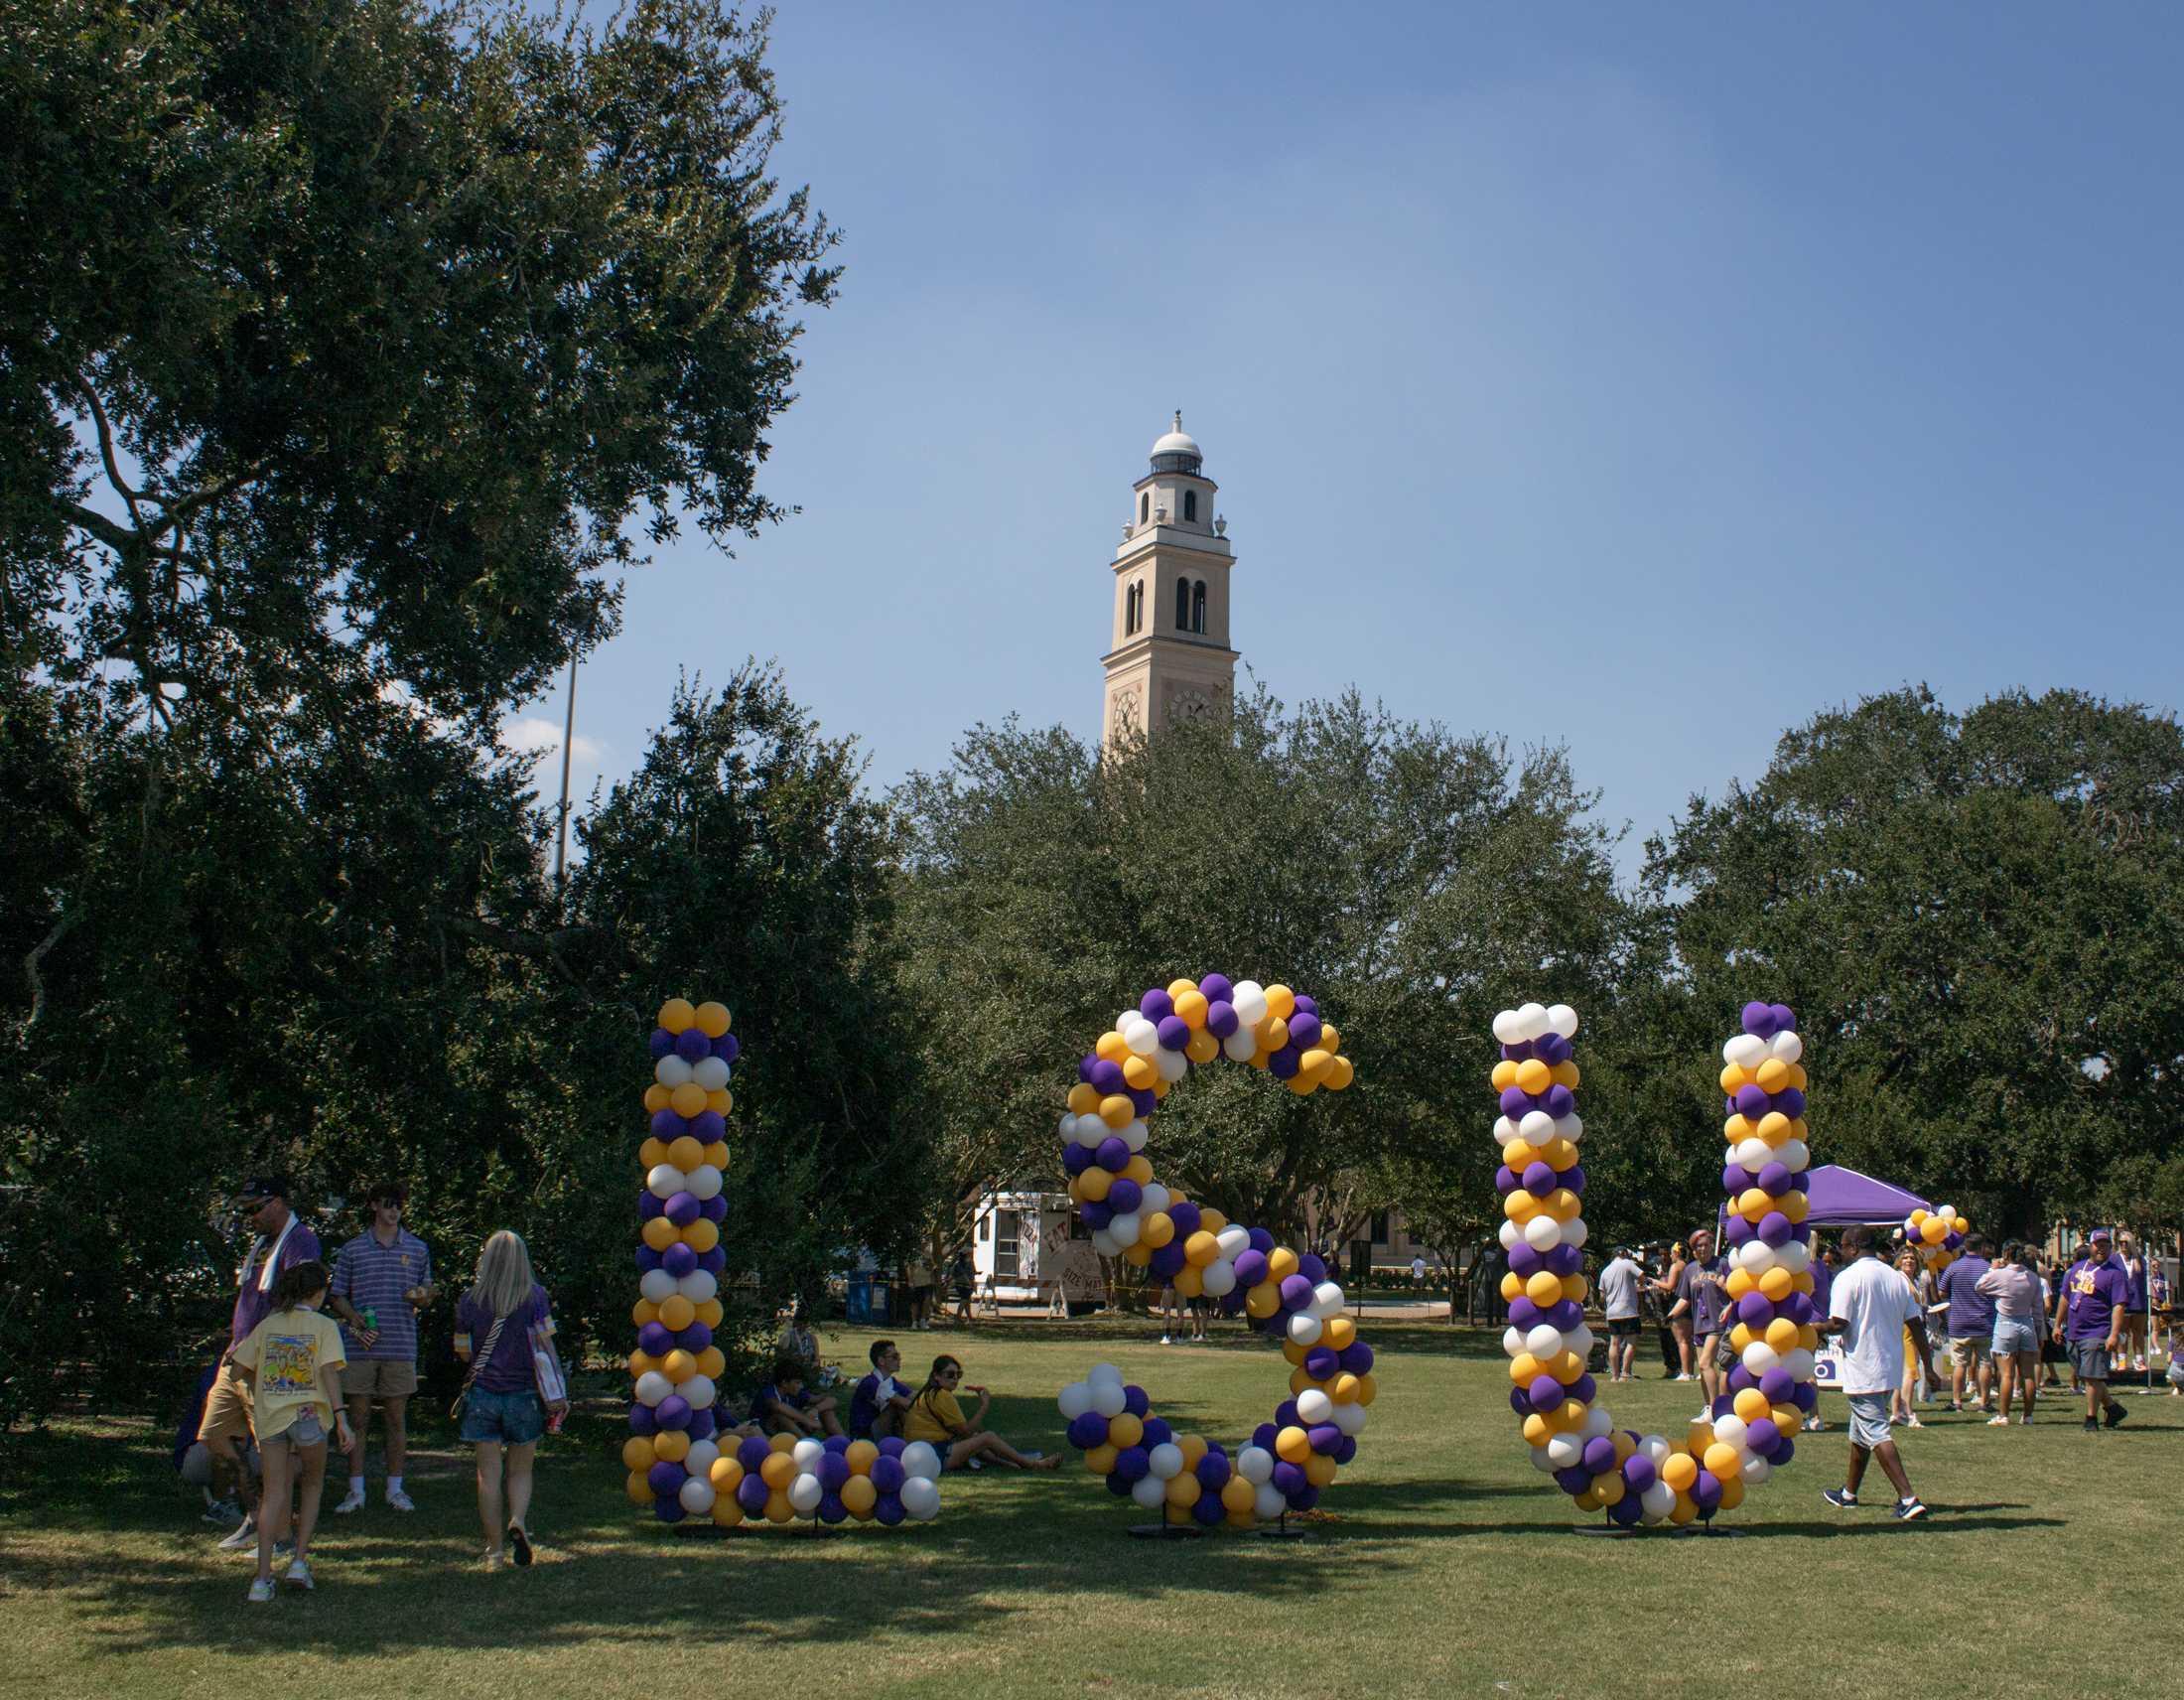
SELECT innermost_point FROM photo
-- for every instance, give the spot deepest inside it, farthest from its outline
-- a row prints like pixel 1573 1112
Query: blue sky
pixel 1640 377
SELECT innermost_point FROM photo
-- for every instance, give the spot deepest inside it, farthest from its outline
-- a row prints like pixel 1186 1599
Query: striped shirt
pixel 373 1277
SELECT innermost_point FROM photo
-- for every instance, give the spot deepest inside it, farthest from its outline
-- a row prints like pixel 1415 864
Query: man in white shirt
pixel 1871 1306
pixel 1619 1304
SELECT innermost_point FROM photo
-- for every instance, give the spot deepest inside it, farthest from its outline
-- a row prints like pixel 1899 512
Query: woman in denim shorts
pixel 503 1414
pixel 2013 1283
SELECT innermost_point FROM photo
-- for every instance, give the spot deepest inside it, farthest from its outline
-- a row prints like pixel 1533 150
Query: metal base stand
pixel 1281 1530
pixel 1165 1531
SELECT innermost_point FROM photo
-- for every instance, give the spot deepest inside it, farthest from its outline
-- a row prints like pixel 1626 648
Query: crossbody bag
pixel 479 1360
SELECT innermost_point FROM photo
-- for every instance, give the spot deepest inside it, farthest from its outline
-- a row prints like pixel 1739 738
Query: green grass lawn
pixel 1446 1566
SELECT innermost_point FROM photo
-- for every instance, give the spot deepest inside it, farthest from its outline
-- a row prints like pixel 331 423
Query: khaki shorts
pixel 379 1378
pixel 226 1408
pixel 1967 1352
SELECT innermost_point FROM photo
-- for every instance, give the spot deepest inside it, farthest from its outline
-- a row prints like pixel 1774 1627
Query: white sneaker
pixel 399 1500
pixel 1998 1422
pixel 261 1592
pixel 1163 1340
pixel 1682 1379
pixel 299 1572
pixel 352 1501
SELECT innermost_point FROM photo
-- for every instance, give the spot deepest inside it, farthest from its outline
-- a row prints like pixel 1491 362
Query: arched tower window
pixel 1132 608
pixel 1190 505
pixel 1198 606
pixel 1182 605
pixel 1145 506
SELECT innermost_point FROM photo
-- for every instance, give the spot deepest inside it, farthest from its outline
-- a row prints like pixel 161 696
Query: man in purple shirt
pixel 1699 1293
pixel 2089 1321
pixel 1970 1324
pixel 1823 1270
pixel 381 1280
pixel 281 1239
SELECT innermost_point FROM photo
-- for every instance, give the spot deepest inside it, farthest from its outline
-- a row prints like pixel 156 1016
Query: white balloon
pixel 1234 1243
pixel 1314 1407
pixel 1757 1469
pixel 1537 1126
pixel 1124 1230
pixel 652 1387
pixel 702 1456
pixel 1656 1449
pixel 1105 1243
pixel 704 1182
pixel 1156 1198
pixel 1746 1051
pixel 656 1284
pixel 805 1494
pixel 1510 1235
pixel 1794 1154
pixel 711 1072
pixel 1305 1328
pixel 1730 1428
pixel 1240 1046
pixel 696 1494
pixel 1505 1130
pixel 1576 1233
pixel 1799 1363
pixel 1132 1135
pixel 1218 1278
pixel 1068 1127
pixel 1542 1233
pixel 1505 1026
pixel 920 1497
pixel 1786 1047
pixel 1599 1421
pixel 1540 1461
pixel 1658 1500
pixel 1108 1399
pixel 671 1072
pixel 1759 1357
pixel 664 1181
pixel 1753 1153
pixel 1267 1502
pixel 1948 1213
pixel 1512 1341
pixel 1091 1131
pixel 1562 1019
pixel 698 1286
pixel 1565 1450
pixel 700 1391
pixel 1150 1491
pixel 1103 1373
pixel 1327 1300
pixel 1544 1342
pixel 807 1453
pixel 1795 1256
pixel 1165 1461
pixel 1350 1418
pixel 1579 1340
pixel 1532 1021
pixel 1571 1127
pixel 1171 1064
pixel 1141 1036
pixel 1249 1001
pixel 1074 1400
pixel 919 1458
pixel 1255 1463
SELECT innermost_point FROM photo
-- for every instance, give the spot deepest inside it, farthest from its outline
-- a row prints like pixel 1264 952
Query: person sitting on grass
pixel 292 1362
pixel 936 1418
pixel 879 1401
pixel 785 1405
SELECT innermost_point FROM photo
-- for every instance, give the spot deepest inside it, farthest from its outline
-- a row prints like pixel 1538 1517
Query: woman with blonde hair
pixel 503 1327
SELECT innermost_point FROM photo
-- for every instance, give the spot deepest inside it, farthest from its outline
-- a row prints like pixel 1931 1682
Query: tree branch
pixel 36 955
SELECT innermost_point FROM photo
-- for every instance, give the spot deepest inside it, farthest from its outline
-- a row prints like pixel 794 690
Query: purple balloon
pixel 1145 1103
pixel 1774 1180
pixel 1753 1311
pixel 1563 1314
pixel 1213 1470
pixel 1156 1431
pixel 831 1508
pixel 1626 1510
pixel 1186 1217
pixel 1598 1456
pixel 1157 1005
pixel 1759 1020
pixel 648 1260
pixel 1777 1384
pixel 1546 1395
pixel 679 1260
pixel 1706 1491
pixel 1096 1213
pixel 668 1508
pixel 752 1452
pixel 1216 988
pixel 1790 1101
pixel 655 1340
pixel 1798 1307
pixel 1539 1180
pixel 1260 1239
pixel 1739 1231
pixel 1305 1030
pixel 1168 1261
pixel 649 1205
pixel 1805 1397
pixel 1739 1379
pixel 1284 1063
pixel 1296 1292
pixel 888 1510
pixel 1263 1435
pixel 1785 1018
pixel 1288 1477
pixel 707 1126
pixel 1523 1261
pixel 641 1419
pixel 702 1424
pixel 888 1474
pixel 1639 1472
pixel 1304 1498
pixel 692 1046
pixel 1734 1179
pixel 1519 1401
pixel 715 1208
pixel 1124 1194
pixel 728 1048
pixel 666 1478
pixel 672 1412
pixel 894 1447
pixel 1751 1101
pixel 666 1124
pixel 1312 1267
pixel 1524 1314
pixel 1572 1480
pixel 1087 1430
pixel 1558 1101
pixel 833 1471
pixel 1763 1438
pixel 1173 1033
pixel 1518 1053
pixel 1135 1400
pixel 1075 1159
pixel 714 1262
pixel 1774 1227
pixel 682 1210
pixel 1563 1260
pixel 1223 1019
pixel 1515 1102
pixel 1785 1450
pixel 1574 1177
pixel 751 1493
pixel 661 1043
pixel 1107 1077
pixel 1113 1154
pixel 1322 1362
pixel 1207 1509
pixel 1251 1268
pixel 1310 1006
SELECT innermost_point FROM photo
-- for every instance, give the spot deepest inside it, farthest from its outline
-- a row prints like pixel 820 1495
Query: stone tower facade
pixel 1169 655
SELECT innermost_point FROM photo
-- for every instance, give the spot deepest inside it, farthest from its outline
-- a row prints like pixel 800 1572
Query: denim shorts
pixel 513 1419
pixel 2090 1357
pixel 1869 1419
pixel 2013 1334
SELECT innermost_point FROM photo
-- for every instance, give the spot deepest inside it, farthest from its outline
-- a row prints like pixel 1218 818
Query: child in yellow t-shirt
pixel 293 1361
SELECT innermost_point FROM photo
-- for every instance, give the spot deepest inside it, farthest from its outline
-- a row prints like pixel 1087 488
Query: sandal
pixel 519 1545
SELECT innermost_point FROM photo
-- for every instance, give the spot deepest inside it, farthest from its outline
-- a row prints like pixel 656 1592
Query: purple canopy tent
pixel 1837 1196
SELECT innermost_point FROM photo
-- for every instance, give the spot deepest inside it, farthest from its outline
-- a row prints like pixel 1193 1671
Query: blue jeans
pixel 513 1419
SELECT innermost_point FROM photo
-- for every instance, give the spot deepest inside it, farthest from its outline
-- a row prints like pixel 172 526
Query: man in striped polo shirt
pixel 381 1280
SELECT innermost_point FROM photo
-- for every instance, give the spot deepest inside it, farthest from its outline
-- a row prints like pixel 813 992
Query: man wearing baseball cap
pixel 280 1239
pixel 2089 1320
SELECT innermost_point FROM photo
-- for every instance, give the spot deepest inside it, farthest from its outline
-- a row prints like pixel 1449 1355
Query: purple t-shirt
pixel 1704 1296
pixel 1824 1283
pixel 509 1369
pixel 253 1292
pixel 1971 1311
pixel 2094 1290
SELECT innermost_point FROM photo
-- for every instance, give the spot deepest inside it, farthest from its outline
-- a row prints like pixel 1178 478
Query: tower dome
pixel 1176 451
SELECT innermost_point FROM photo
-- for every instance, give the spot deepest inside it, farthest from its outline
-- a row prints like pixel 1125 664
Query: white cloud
pixel 529 731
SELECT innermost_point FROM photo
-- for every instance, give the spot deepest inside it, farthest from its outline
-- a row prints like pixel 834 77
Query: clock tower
pixel 1168 657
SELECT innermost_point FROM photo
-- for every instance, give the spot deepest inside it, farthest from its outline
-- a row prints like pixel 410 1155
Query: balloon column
pixel 1200 1253
pixel 1938 1235
pixel 1542 1187
pixel 783 1478
pixel 671 1451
